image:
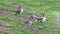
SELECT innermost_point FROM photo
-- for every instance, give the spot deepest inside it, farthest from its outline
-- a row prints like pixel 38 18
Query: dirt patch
pixel 3 12
pixel 3 27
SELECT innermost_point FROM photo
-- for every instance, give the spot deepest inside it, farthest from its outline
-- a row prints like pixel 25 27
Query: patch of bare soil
pixel 3 12
pixel 3 28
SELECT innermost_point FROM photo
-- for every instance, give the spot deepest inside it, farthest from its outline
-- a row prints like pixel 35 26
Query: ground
pixel 12 23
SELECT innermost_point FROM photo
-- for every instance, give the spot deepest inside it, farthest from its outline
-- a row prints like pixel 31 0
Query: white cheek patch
pixel 21 10
pixel 44 19
pixel 36 20
pixel 30 22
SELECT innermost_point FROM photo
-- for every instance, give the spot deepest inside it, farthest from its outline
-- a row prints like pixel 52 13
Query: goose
pixel 31 15
pixel 28 22
pixel 19 10
pixel 41 19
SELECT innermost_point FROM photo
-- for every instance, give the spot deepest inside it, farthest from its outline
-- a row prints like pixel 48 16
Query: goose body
pixel 20 10
pixel 41 19
pixel 27 22
pixel 32 15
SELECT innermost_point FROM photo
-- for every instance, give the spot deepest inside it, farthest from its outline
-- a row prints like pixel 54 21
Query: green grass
pixel 38 7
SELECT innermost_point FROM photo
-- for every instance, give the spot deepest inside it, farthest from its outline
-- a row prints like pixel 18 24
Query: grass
pixel 49 27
